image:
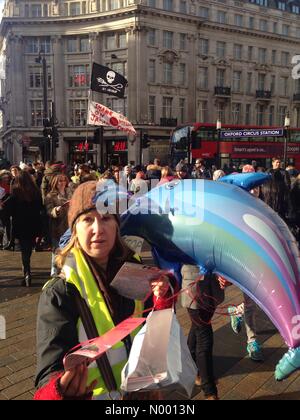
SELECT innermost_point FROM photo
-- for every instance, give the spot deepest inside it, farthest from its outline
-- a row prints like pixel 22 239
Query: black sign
pixel 268 132
pixel 106 80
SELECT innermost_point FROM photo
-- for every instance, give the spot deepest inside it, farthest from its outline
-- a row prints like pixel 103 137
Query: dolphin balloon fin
pixel 247 181
pixel 288 364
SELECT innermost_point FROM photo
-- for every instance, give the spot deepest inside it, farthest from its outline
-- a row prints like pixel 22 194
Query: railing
pixel 222 91
pixel 263 94
pixel 168 122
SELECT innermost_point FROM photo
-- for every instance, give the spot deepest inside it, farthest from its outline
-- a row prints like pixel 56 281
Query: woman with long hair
pixel 81 304
pixel 5 180
pixel 24 206
pixel 56 203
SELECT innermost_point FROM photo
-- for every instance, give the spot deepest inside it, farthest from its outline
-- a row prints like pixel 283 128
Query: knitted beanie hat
pixel 83 201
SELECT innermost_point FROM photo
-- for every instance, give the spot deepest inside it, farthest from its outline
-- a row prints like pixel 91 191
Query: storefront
pixel 117 151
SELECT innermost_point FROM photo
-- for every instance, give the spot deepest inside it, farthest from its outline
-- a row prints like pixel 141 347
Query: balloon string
pixel 195 297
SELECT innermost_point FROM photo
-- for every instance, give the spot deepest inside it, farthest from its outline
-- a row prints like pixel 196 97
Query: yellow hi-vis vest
pixel 77 272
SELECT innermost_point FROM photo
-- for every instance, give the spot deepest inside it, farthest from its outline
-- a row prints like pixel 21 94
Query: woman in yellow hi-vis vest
pixel 80 304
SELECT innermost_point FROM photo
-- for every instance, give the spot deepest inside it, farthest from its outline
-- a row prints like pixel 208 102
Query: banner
pixel 106 80
pixel 101 115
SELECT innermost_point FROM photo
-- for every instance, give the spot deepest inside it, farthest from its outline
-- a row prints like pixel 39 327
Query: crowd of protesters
pixel 35 197
pixel 35 208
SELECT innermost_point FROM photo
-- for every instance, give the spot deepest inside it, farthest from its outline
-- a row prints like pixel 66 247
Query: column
pixel 59 93
pixel 192 78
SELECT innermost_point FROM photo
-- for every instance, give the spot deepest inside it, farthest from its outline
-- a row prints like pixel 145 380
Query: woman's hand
pixel 57 209
pixel 160 286
pixel 73 383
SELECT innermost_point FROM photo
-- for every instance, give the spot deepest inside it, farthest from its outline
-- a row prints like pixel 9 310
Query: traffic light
pixel 145 141
pixel 47 132
pixel 55 137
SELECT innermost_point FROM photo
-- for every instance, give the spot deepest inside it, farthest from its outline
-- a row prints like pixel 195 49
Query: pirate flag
pixel 105 80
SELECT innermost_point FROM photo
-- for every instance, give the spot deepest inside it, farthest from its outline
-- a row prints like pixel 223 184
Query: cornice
pixel 252 33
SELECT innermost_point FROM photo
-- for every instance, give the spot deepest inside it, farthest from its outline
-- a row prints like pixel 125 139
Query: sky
pixel 1 7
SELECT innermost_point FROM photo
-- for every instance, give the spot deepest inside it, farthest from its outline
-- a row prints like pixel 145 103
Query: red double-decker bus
pixel 234 144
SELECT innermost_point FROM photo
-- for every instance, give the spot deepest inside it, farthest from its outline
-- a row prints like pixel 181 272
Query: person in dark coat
pixel 25 206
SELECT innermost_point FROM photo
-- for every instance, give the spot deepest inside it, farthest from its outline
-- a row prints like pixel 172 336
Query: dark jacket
pixel 58 221
pixel 57 326
pixel 26 217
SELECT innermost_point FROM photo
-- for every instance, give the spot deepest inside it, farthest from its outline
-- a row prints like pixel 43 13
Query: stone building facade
pixel 185 61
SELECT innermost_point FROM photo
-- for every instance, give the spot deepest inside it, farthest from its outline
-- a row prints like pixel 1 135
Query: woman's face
pixel 96 235
pixel 62 183
pixel 14 172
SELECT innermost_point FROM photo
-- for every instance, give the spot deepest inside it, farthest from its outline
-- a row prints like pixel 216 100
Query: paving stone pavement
pixel 238 377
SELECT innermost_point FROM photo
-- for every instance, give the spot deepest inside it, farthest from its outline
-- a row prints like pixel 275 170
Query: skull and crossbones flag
pixel 99 114
pixel 106 80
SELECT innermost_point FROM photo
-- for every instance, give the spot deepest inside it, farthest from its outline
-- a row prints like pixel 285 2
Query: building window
pixel 285 58
pixel 238 20
pixel 36 10
pixel 260 2
pixel 285 30
pixel 202 111
pixel 119 67
pixel 263 25
pixel 248 114
pixel 72 45
pixel 152 112
pixel 273 84
pixel 182 110
pixel 151 71
pixel 115 41
pixel 221 49
pixel 183 6
pixel 237 51
pixel 75 8
pixel 182 74
pixel 221 17
pixel 250 53
pixel 152 37
pixel 284 86
pixel 249 84
pixel 182 42
pixel 236 113
pixel 37 112
pixel 204 12
pixel 78 110
pixel 168 5
pixel 297 86
pixel 275 27
pixel 113 4
pixel 168 39
pixel 203 77
pixel 34 45
pixel 203 46
pixel 261 81
pixel 221 112
pixel 79 76
pixel 295 9
pixel 151 3
pixel 262 55
pixel 117 105
pixel 84 44
pixel 167 107
pixel 271 115
pixel 274 56
pixel 281 5
pixel 236 81
pixel 168 73
pixel 220 77
pixel 36 77
pixel 260 115
pixel 282 111
pixel 251 22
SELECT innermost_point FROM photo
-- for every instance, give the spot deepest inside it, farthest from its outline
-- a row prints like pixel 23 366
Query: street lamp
pixel 287 124
pixel 219 127
pixel 42 60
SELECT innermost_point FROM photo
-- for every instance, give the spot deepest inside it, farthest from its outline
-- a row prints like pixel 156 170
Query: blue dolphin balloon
pixel 223 229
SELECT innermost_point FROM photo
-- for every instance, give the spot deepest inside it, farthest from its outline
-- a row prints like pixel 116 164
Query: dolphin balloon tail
pixel 288 364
